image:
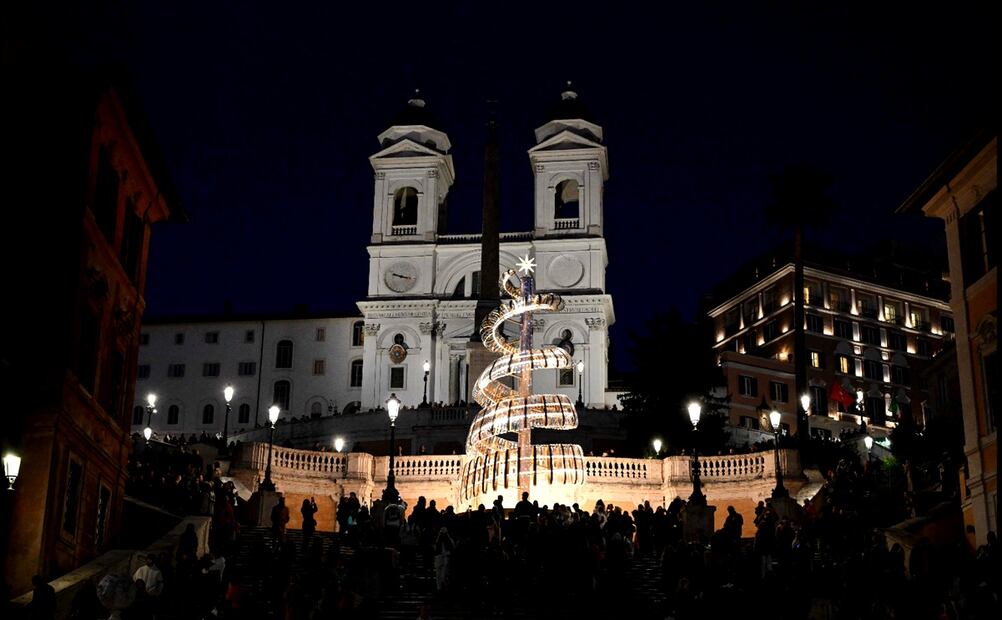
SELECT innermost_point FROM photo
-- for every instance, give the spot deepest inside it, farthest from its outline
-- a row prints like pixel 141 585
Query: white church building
pixel 418 312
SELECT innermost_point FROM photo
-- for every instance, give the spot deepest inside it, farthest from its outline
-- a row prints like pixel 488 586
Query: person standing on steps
pixel 308 510
pixel 279 519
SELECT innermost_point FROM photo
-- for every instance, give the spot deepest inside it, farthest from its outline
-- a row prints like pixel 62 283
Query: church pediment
pixel 406 148
pixel 565 140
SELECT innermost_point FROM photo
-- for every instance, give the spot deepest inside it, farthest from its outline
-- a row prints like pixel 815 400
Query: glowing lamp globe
pixel 339 443
pixel 228 393
pixel 393 408
pixel 694 411
pixel 11 467
pixel 427 366
pixel 147 433
pixel 273 412
pixel 868 441
pixel 580 367
pixel 657 446
pixel 805 402
pixel 151 398
pixel 775 418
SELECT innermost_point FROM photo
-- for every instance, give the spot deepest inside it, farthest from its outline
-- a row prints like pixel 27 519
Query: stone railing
pixel 290 461
pixel 632 469
pixel 565 223
pixel 432 467
pixel 404 229
pixel 449 414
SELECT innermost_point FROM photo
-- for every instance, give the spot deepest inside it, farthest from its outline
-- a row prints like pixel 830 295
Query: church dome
pixel 415 113
pixel 569 107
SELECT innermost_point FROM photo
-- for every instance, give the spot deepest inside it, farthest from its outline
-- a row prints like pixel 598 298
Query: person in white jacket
pixel 151 576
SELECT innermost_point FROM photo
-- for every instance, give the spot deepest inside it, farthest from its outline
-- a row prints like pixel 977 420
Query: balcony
pixel 566 223
pixel 406 229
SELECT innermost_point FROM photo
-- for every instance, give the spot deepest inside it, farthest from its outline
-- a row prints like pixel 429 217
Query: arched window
pixel 243 414
pixel 564 342
pixel 137 414
pixel 405 202
pixel 356 373
pixel 281 394
pixel 283 354
pixel 358 333
pixel 316 409
pixel 173 414
pixel 208 414
pixel 566 200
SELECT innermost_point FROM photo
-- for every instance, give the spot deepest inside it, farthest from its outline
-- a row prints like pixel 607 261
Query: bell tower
pixel 413 175
pixel 570 166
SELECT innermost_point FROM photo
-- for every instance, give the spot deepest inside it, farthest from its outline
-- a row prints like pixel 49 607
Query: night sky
pixel 267 114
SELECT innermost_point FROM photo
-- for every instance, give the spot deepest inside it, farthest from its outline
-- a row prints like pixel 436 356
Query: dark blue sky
pixel 267 114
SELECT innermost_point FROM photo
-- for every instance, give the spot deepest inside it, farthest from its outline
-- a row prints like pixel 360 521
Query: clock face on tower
pixel 400 277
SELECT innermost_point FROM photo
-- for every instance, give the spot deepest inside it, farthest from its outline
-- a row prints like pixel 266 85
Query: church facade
pixel 411 336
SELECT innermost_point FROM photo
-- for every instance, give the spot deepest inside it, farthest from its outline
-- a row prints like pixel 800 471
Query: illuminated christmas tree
pixel 495 463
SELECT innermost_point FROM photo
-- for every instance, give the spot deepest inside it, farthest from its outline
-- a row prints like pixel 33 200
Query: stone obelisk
pixel 489 298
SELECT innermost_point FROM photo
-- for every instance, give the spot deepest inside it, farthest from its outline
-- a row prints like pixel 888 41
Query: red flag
pixel 842 396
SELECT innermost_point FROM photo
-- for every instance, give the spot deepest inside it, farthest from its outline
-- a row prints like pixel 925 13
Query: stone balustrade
pixel 600 467
pixel 418 468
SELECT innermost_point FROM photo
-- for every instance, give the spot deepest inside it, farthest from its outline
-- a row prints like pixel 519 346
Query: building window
pixel 747 386
pixel 845 365
pixel 843 329
pixel 870 335
pixel 358 333
pixel 838 300
pixel 316 410
pixel 769 300
pixel 283 354
pixel 819 400
pixel 319 366
pixel 900 375
pixel 779 391
pixel 919 318
pixel 356 373
pixel 892 312
pixel 867 306
pixel 247 369
pixel 173 414
pixel 210 369
pixel 137 414
pixel 397 377
pixel 405 205
pixel 979 254
pixel 71 499
pixel 923 347
pixel 100 523
pixel 812 294
pixel 897 341
pixel 873 370
pixel 143 372
pixel 475 284
pixel 565 377
pixel 208 414
pixel 875 408
pixel 732 321
pixel 249 335
pixel 815 324
pixel 770 330
pixel 817 359
pixel 282 394
pixel 175 371
pixel 212 337
pixel 946 324
pixel 144 339
pixel 321 334
pixel 566 200
pixel 179 338
pixel 749 422
pixel 243 414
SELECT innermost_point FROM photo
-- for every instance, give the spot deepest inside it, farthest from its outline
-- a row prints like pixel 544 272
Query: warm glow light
pixel 11 467
pixel 657 447
pixel 775 418
pixel 228 393
pixel 694 411
pixel 151 398
pixel 805 402
pixel 426 366
pixel 868 441
pixel 859 396
pixel 273 412
pixel 720 336
pixel 147 433
pixel 339 443
pixel 784 300
pixel 393 408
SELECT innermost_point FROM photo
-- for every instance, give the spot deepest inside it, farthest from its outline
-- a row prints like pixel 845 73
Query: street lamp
pixel 868 442
pixel 151 404
pixel 780 491
pixel 805 402
pixel 268 485
pixel 147 433
pixel 228 396
pixel 390 495
pixel 427 369
pixel 11 468
pixel 697 496
pixel 339 444
pixel 657 448
pixel 580 367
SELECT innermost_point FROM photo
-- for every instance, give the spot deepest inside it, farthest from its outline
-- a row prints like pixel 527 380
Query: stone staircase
pixel 639 589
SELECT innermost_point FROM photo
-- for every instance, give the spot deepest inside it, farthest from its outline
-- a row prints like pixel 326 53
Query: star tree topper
pixel 526 265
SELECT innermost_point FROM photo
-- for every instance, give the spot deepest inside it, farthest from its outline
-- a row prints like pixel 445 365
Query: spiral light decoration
pixel 494 461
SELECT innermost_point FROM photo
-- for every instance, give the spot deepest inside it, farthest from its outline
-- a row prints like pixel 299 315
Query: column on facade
pixel 595 364
pixel 454 360
pixel 370 363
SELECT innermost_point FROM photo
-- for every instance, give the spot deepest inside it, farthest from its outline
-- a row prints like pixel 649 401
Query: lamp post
pixel 268 485
pixel 228 396
pixel 151 403
pixel 390 495
pixel 868 442
pixel 657 448
pixel 580 367
pixel 11 468
pixel 697 496
pixel 427 369
pixel 780 491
